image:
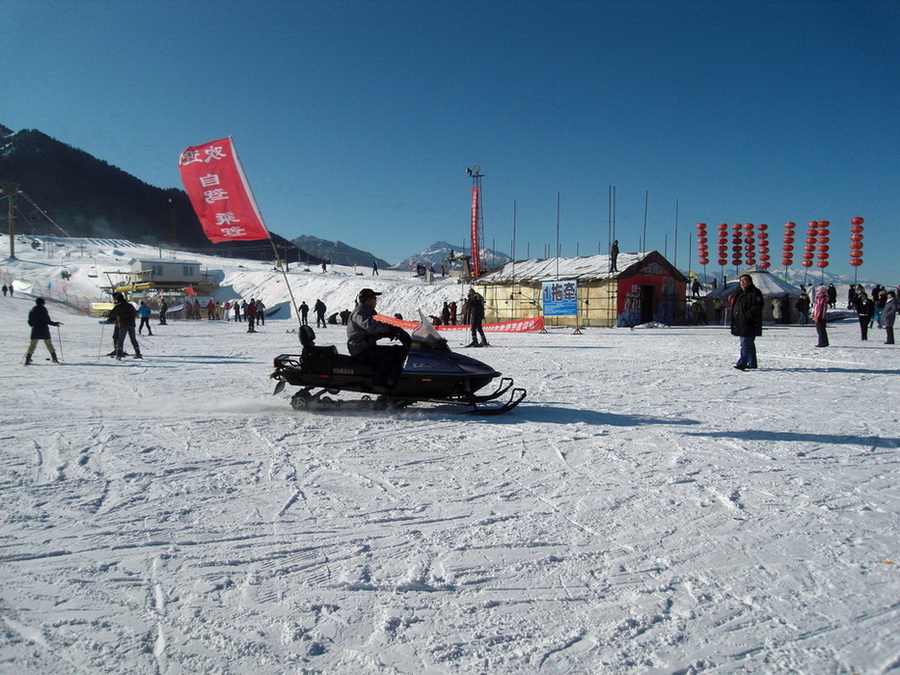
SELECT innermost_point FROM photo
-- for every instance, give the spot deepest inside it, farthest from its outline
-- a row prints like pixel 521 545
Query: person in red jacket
pixel 251 316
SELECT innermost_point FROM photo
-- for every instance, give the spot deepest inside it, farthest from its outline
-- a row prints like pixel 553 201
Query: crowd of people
pixel 747 313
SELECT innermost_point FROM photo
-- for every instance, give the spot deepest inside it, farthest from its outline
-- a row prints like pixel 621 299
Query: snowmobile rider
pixel 363 333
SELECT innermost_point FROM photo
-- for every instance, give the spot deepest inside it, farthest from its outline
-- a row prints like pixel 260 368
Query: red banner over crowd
pixel 219 193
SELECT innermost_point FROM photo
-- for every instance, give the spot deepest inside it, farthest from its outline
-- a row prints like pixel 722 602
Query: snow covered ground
pixel 647 509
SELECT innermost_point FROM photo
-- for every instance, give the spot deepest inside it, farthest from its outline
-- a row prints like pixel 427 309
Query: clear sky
pixel 356 119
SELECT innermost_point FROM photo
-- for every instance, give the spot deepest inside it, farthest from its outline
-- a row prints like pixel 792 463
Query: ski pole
pixel 59 335
pixel 102 329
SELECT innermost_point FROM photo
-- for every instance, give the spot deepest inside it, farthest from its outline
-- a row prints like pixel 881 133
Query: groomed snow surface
pixel 647 509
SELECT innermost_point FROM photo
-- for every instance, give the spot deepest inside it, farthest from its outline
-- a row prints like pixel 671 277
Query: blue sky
pixel 356 119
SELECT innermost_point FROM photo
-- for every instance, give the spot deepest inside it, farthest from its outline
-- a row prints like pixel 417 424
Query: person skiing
pixel 476 317
pixel 40 322
pixel 304 314
pixel 363 333
pixel 251 316
pixel 144 313
pixel 124 314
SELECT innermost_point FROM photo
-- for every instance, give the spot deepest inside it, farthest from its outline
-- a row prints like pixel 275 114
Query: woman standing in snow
pixel 746 321
pixel 865 309
pixel 820 315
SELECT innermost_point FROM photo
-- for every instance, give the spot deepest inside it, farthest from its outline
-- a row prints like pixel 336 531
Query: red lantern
pixel 806 263
pixel 822 248
pixel 701 226
pixel 856 241
pixel 787 247
pixel 822 263
pixel 723 262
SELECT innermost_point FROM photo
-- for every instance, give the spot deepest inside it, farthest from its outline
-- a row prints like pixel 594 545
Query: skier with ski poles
pixel 40 322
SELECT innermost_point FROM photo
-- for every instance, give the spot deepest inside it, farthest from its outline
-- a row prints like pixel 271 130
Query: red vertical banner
pixel 219 192
pixel 476 263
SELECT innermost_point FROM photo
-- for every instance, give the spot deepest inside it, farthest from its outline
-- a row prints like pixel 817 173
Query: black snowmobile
pixel 431 373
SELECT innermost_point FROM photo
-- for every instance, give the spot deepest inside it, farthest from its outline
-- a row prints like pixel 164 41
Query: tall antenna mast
pixel 477 228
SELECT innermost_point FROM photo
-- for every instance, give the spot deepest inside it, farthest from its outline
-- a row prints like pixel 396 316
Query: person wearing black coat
pixel 123 314
pixel 888 314
pixel 40 322
pixel 865 310
pixel 746 321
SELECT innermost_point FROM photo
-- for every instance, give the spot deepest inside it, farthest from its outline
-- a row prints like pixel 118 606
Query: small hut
pixel 645 288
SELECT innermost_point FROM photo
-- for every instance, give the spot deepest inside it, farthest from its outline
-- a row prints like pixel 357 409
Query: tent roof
pixel 764 280
pixel 583 268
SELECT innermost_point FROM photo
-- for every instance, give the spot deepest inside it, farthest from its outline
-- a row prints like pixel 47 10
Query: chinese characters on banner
pixel 219 193
pixel 559 298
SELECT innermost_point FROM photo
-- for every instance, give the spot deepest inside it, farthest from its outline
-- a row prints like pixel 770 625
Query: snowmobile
pixel 430 373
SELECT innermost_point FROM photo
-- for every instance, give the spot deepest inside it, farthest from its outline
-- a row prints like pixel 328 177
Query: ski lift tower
pixel 11 190
pixel 477 221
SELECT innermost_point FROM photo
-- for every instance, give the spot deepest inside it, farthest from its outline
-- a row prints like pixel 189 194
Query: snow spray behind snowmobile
pixel 431 373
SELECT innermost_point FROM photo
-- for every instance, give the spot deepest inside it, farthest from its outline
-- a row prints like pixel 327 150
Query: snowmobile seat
pixel 308 340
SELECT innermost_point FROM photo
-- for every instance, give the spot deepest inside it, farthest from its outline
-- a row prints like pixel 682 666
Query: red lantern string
pixel 763 237
pixel 822 247
pixel 810 246
pixel 787 257
pixel 856 243
pixel 723 244
pixel 736 249
pixel 702 246
pixel 749 244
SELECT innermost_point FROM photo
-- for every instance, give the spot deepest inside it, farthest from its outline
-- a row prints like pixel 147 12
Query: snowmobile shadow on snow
pixel 431 373
pixel 549 414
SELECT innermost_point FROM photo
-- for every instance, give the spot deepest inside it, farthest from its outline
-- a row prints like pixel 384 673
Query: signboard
pixel 560 298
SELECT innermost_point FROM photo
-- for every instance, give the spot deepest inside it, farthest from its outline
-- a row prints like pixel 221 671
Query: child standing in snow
pixel 40 322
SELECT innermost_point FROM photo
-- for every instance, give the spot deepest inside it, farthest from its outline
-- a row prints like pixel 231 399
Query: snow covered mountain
pixel 338 252
pixel 440 252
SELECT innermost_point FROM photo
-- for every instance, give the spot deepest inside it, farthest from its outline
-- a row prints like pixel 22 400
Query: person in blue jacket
pixel 144 313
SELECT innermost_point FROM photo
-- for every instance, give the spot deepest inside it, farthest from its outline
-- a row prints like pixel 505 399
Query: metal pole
pixel 11 190
pixel 59 335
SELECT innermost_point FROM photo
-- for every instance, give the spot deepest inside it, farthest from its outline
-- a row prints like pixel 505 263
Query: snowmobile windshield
pixel 426 335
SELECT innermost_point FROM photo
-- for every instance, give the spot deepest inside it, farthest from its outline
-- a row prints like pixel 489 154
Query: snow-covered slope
pixel 647 509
